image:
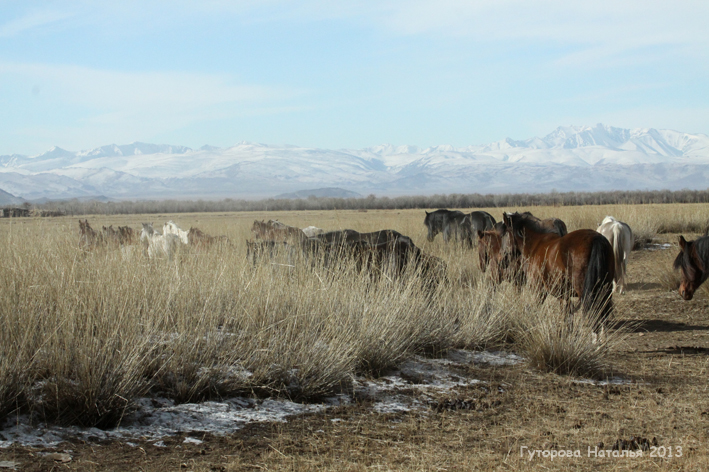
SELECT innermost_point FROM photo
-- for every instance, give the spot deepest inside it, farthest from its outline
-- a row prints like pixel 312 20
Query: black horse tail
pixel 598 285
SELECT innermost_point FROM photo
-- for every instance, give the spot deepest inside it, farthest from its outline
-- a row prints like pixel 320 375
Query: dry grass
pixel 85 333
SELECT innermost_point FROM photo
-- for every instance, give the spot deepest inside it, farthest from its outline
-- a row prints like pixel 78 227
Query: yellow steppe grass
pixel 84 333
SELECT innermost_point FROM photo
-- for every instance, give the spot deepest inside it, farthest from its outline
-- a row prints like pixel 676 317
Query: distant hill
pixel 329 192
pixel 571 158
pixel 9 199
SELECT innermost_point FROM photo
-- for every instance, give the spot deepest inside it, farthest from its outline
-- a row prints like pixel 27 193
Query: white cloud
pixel 590 32
pixel 31 21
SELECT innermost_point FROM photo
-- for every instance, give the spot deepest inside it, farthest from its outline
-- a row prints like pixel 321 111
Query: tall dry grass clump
pixel 85 333
pixel 555 340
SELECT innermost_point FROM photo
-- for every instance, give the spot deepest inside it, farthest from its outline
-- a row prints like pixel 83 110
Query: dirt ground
pixel 489 426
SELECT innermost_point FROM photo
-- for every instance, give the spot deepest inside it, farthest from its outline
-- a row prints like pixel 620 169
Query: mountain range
pixel 598 158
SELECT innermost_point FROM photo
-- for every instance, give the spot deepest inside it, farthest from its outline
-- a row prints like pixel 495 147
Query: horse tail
pixel 598 284
pixel 618 251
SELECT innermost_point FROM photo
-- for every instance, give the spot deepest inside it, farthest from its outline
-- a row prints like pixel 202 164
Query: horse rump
pixel 598 283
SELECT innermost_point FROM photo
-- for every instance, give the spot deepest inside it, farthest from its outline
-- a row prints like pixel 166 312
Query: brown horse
pixel 554 225
pixel 111 236
pixel 198 238
pixel 580 263
pixel 693 259
pixel 496 253
pixel 88 237
pixel 273 230
pixel 125 234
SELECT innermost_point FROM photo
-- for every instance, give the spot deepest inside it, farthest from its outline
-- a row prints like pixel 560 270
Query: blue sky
pixel 345 74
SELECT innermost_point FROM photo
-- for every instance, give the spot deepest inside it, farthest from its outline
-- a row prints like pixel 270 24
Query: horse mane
pixel 679 260
pixel 530 221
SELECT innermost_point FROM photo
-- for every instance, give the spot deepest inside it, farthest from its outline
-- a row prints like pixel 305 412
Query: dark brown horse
pixel 580 263
pixel 693 260
pixel 379 252
pixel 554 225
pixel 497 254
pixel 375 237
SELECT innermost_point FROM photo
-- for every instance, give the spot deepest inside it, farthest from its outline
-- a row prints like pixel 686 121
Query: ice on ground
pixel 427 378
pixel 159 418
pixel 611 381
pixel 410 387
pixel 657 247
pixel 484 357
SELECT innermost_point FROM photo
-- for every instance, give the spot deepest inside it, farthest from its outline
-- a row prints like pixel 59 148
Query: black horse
pixel 378 251
pixel 375 237
pixel 474 222
pixel 444 221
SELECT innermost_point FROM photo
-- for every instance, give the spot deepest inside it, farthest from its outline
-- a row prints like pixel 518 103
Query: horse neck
pixel 533 239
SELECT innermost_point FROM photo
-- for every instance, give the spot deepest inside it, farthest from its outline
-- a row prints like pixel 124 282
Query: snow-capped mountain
pixel 568 159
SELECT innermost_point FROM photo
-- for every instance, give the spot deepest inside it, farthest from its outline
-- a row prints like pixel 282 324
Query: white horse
pixel 158 244
pixel 621 238
pixel 312 231
pixel 171 228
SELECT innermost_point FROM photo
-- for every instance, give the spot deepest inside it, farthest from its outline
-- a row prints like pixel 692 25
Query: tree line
pixel 372 202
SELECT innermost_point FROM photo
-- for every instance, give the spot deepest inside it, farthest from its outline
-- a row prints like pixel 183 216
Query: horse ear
pixel 682 242
pixel 426 213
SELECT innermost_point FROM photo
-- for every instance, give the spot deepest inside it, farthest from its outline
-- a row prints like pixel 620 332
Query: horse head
pixel 692 268
pixel 429 223
pixel 147 232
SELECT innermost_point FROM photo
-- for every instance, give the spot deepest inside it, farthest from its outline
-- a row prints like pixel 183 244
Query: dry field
pixel 86 333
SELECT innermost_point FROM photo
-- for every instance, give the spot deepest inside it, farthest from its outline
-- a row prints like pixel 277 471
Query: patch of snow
pixel 496 358
pixel 611 381
pixel 657 247
pixel 156 418
pixel 393 405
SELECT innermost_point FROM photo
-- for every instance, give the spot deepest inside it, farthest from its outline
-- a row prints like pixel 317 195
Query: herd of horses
pixel 385 252
pixel 155 244
pixel 586 263
pixel 521 249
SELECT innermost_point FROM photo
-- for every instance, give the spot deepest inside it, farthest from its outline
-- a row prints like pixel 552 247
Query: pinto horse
pixel 693 259
pixel 580 263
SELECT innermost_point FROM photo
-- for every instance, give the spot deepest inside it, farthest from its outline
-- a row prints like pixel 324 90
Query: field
pixel 87 333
